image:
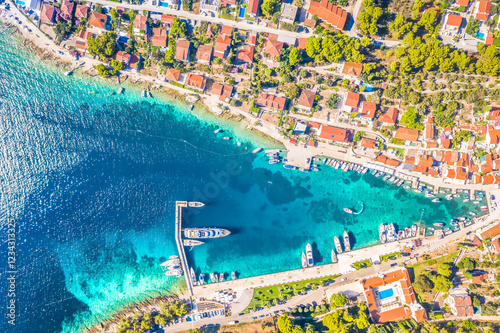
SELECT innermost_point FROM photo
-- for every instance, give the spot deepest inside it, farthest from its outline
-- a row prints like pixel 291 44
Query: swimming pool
pixel 480 35
pixel 386 293
pixel 163 4
pixel 19 2
pixel 368 87
pixel 242 12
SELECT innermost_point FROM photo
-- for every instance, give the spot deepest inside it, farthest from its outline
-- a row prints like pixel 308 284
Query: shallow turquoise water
pixel 92 182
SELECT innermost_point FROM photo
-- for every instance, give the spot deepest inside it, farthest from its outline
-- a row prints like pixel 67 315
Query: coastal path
pixel 243 25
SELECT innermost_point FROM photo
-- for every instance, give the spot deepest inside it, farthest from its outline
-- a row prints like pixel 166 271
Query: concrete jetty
pixel 180 246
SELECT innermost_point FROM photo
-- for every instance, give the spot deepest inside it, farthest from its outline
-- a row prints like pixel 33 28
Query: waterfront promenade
pixel 180 246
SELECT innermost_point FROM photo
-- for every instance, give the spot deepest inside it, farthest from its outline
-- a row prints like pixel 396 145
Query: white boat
pixel 406 187
pixel 334 257
pixel 347 244
pixel 338 247
pixel 195 204
pixel 456 195
pixel 221 277
pixel 218 131
pixel 227 138
pixel 304 260
pixel 205 232
pixel 309 255
pixel 193 276
pixel 120 90
pixel 436 200
pixel 414 230
pixel 382 233
pixel 176 273
pixel 476 202
pixel 216 277
pixel 465 200
pixel 68 73
pixel 472 213
pixel 448 197
pixel 256 150
pixel 173 257
pixel 212 277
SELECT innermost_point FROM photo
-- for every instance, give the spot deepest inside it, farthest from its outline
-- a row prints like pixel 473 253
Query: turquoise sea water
pixel 91 180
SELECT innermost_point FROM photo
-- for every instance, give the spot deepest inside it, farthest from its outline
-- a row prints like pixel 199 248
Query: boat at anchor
pixel 309 255
pixel 347 244
pixel 338 247
pixel 334 257
pixel 205 232
pixel 304 260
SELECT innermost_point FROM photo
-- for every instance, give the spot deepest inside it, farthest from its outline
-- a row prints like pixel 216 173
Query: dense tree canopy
pixel 269 7
pixel 103 46
pixel 334 47
pixel 368 18
pixel 178 28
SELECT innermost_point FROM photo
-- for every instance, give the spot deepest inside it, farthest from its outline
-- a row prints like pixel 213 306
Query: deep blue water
pixel 91 181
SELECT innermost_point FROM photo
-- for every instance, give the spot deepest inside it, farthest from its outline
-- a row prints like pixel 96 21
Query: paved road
pixel 197 17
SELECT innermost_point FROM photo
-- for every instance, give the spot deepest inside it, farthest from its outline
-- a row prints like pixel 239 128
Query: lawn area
pixel 271 295
pixel 362 264
pixel 385 257
pixel 433 263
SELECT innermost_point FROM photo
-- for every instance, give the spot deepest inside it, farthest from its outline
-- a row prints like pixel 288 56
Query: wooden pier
pixel 180 246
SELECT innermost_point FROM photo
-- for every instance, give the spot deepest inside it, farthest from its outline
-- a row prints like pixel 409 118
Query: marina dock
pixel 180 246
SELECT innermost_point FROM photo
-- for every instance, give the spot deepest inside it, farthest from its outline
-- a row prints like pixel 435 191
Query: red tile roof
pixel 454 20
pixel 407 134
pixel 182 50
pixel 464 3
pixel 196 81
pixel 329 13
pixel 302 43
pixel 67 7
pixel 333 133
pixel 484 7
pixel 47 13
pixel 84 34
pixel 245 53
pixel 390 116
pixel 80 45
pixel 172 74
pixel 352 68
pixel 98 20
pixel 140 22
pixel 352 99
pixel 253 6
pixel 168 19
pixel 482 16
pixel 368 143
pixel 204 53
pixel 429 131
pixel 496 244
pixel 81 11
pixel 306 99
pixel 271 101
pixel 446 143
pixel 463 304
pixel 490 38
pixel 368 109
pixel 222 90
pixel 134 61
pixel 252 40
pixel 159 37
pixel 273 48
pixel 492 232
pixel 226 30
pixel 123 57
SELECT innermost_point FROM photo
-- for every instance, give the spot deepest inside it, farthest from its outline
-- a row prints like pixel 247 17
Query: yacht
pixel 337 244
pixel 304 260
pixel 193 276
pixel 212 277
pixel 233 275
pixel 195 204
pixel 205 232
pixel 414 230
pixel 347 245
pixel 436 200
pixel 218 131
pixel 382 233
pixel 221 277
pixel 309 255
pixel 192 242
pixel 334 257
pixel 176 273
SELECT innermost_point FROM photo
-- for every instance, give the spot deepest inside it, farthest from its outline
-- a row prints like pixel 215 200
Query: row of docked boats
pixel 346 166
pixel 172 267
pixel 388 177
pixel 214 277
pixel 274 158
pixel 388 233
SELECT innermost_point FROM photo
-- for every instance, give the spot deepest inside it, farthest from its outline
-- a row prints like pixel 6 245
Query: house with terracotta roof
pixel 98 21
pixel 67 8
pixel 482 10
pixel 222 45
pixel 429 132
pixel 351 101
pixel 336 134
pixel 81 11
pixel 496 245
pixel 306 100
pixel 245 53
pixel 406 134
pixel 167 20
pixel 390 297
pixel 490 39
pixel 182 50
pixel 196 81
pixel 253 8
pixel 140 25
pixel 491 232
pixel 353 69
pixel 367 111
pixel 389 116
pixel 453 23
pixel 204 54
pixel 223 91
pixel 84 35
pixel 172 74
pixel 368 143
pixel 123 57
pixel 492 136
pixel 460 3
pixel 329 13
pixel 134 62
pixel 159 37
pixel 272 48
pixel 271 101
pixel 81 45
pixel 47 14
pixel 460 303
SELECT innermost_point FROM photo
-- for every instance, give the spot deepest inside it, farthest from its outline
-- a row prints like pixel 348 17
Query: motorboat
pixel 309 255
pixel 289 167
pixel 193 276
pixel 347 244
pixel 304 260
pixel 334 257
pixel 348 210
pixel 218 131
pixel 256 150
pixel 382 233
pixel 414 230
pixel 338 247
pixel 221 277
pixel 205 232
pixel 438 224
pixel 274 161
pixel 472 213
pixel 233 275
pixel 212 277
pixel 227 138
pixel 436 200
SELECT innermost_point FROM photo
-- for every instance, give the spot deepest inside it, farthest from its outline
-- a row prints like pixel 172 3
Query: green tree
pixel 442 284
pixel 467 264
pixel 295 56
pixel 292 91
pixel 444 269
pixel 339 300
pixel 358 136
pixel 368 18
pixel 332 101
pixel 269 7
pixel 411 119
pixel 284 324
pixel 178 28
pixel 422 284
pixel 103 46
pixel 114 13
